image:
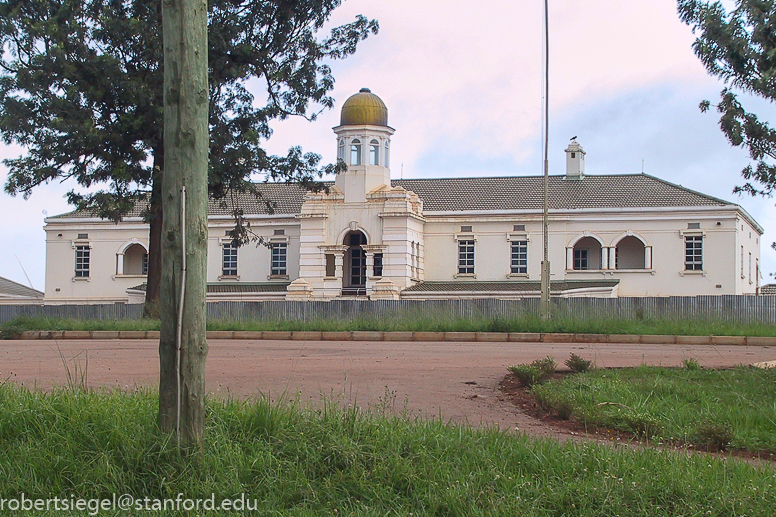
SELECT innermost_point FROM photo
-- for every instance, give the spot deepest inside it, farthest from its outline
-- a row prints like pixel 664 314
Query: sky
pixel 462 82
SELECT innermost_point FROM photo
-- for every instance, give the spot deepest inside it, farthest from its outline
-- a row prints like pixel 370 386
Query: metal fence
pixel 744 309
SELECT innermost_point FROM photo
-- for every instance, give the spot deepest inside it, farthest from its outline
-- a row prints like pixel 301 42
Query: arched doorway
pixel 354 277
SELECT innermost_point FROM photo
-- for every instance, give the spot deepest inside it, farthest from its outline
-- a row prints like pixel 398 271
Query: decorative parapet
pixel 299 291
pixel 385 289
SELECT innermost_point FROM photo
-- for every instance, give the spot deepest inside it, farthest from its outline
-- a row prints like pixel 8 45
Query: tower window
pixel 573 155
pixel 374 152
pixel 341 150
pixel 355 152
pixel 386 154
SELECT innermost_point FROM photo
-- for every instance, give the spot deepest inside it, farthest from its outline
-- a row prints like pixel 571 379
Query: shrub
pixel 578 365
pixel 527 374
pixel 534 373
pixel 546 365
pixel 642 424
pixel 713 435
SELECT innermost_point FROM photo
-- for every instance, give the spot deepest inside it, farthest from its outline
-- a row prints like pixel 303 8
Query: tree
pixel 739 47
pixel 81 88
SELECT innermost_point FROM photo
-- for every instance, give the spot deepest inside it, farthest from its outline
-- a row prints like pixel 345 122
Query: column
pixel 339 258
pixel 569 258
pixel 647 257
pixel 370 263
pixel 612 257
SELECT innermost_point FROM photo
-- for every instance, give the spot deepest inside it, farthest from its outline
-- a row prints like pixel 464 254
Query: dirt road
pixel 454 381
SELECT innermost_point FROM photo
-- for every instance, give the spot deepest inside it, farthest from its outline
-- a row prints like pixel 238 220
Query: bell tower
pixel 364 144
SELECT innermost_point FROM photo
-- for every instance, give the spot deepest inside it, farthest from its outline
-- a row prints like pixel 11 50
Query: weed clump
pixel 715 436
pixel 535 373
pixel 578 365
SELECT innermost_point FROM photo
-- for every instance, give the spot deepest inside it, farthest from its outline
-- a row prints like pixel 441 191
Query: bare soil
pixel 458 382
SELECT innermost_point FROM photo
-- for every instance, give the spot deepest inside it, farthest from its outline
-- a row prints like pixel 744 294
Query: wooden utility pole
pixel 183 345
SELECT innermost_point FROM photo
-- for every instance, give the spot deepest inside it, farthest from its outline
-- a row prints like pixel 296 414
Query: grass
pixel 408 322
pixel 333 461
pixel 708 408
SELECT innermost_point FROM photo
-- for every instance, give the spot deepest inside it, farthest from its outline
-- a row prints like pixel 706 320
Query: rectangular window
pixel 742 262
pixel 82 261
pixel 520 257
pixel 580 259
pixel 144 267
pixel 331 265
pixel 693 253
pixel 230 259
pixel 750 268
pixel 378 264
pixel 465 257
pixel 278 259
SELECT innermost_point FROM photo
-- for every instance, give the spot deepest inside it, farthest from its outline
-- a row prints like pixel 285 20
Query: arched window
pixel 355 152
pixel 386 154
pixel 135 260
pixel 587 254
pixel 374 152
pixel 629 254
pixel 341 150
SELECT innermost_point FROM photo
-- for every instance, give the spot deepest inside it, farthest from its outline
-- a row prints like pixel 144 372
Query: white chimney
pixel 575 161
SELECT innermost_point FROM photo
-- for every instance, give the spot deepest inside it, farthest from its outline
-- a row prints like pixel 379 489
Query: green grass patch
pixel 410 322
pixel 717 409
pixel 332 461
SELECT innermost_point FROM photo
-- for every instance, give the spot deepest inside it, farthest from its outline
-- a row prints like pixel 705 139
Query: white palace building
pixel 374 237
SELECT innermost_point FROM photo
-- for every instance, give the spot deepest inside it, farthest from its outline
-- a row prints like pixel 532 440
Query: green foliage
pixel 738 46
pixel 434 322
pixel 715 436
pixel 714 409
pixel 691 363
pixel 578 365
pixel 537 372
pixel 325 460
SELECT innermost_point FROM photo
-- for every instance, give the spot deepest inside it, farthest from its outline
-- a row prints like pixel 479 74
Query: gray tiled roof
pixel 516 286
pixel 502 193
pixel 13 289
pixel 526 193
pixel 236 287
pixel 768 290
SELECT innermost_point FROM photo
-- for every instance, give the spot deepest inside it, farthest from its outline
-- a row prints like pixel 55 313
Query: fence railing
pixel 743 309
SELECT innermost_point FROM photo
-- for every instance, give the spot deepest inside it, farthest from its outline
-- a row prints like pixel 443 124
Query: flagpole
pixel 545 279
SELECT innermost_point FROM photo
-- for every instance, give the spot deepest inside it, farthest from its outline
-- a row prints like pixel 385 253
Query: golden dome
pixel 364 109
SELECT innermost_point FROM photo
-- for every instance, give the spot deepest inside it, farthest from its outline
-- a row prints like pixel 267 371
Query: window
pixel 341 150
pixel 82 261
pixel 144 268
pixel 280 232
pixel 330 265
pixel 465 257
pixel 693 253
pixel 378 264
pixel 580 259
pixel 518 228
pixel 374 152
pixel 355 152
pixel 278 259
pixel 230 259
pixel 693 226
pixel 520 257
pixel 750 268
pixel 742 262
pixel 386 153
pixel 466 229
